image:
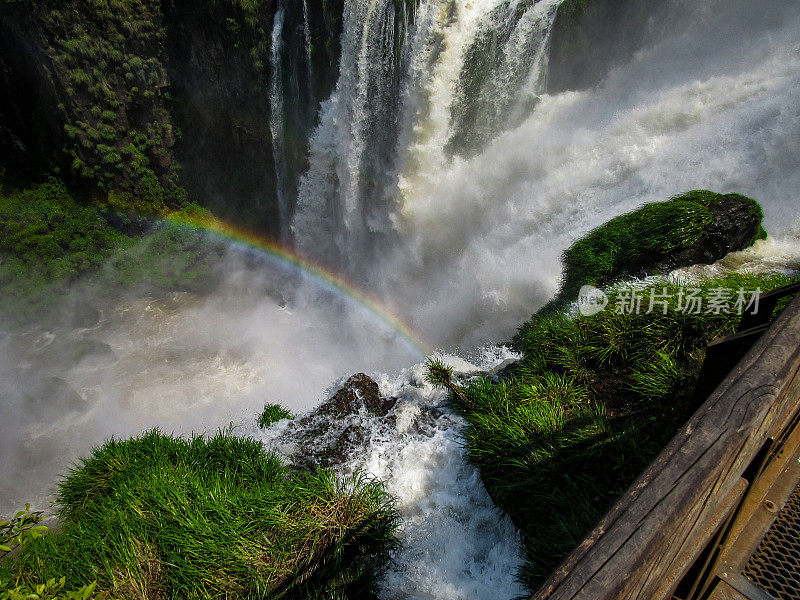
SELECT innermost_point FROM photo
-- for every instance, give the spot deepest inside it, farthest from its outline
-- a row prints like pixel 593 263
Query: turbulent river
pixel 463 246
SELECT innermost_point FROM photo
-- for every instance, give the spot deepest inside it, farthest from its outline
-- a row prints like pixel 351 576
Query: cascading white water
pixel 309 51
pixel 276 117
pixel 712 104
pixel 350 192
pixel 456 543
pixel 346 147
pixel 424 157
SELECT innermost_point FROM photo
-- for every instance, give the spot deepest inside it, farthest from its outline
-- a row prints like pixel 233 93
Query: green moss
pixel 213 517
pixel 625 245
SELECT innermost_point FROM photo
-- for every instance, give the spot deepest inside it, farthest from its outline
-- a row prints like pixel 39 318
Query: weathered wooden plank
pixel 637 545
pixel 725 592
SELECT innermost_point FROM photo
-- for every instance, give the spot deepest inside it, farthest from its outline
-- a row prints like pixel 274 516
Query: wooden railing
pixel 647 542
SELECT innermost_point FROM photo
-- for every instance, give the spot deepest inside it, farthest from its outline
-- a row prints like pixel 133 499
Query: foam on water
pixel 456 543
pixel 774 254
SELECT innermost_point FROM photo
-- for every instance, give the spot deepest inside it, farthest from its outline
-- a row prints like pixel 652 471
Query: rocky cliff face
pixel 219 65
pixel 30 127
pixel 137 101
pixel 94 72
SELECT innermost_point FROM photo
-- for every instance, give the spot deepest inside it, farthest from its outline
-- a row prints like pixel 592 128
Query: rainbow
pixel 318 273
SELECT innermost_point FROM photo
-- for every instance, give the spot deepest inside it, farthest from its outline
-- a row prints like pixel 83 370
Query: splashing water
pixel 456 543
pixel 467 248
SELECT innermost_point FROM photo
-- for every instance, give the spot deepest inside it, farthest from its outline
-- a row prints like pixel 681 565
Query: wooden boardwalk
pixel 670 534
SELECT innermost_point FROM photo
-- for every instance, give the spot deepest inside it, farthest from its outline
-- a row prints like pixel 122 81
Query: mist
pixel 182 362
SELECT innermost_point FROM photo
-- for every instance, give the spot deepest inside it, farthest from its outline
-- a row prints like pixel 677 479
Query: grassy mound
pixel 592 402
pixel 165 517
pixel 697 227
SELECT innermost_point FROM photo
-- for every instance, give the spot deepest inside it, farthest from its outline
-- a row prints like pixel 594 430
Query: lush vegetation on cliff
pixel 591 403
pixel 49 239
pixel 163 517
pixel 598 394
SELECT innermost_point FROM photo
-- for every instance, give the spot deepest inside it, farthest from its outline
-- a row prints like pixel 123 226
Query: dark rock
pixel 505 369
pixel 735 225
pixel 343 424
pixel 218 61
pixel 360 390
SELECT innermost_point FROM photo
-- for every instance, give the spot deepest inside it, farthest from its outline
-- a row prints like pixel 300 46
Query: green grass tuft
pixel 438 373
pixel 159 516
pixel 271 414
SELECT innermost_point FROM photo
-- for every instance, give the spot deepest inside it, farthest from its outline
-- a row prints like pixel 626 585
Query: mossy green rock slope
pixel 699 227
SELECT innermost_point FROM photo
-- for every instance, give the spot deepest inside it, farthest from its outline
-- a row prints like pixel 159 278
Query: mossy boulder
pixel 699 227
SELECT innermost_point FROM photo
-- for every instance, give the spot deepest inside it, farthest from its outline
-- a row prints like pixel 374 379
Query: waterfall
pixel 506 90
pixel 442 173
pixel 390 114
pixel 390 120
pixel 276 121
pixel 309 53
pixel 340 205
pixel 503 73
pixel 445 178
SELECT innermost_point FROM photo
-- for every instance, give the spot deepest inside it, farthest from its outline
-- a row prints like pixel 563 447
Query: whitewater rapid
pixel 456 542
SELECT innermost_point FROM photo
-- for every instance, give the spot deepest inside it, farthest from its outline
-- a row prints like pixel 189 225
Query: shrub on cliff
pixel 159 516
pixel 48 240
